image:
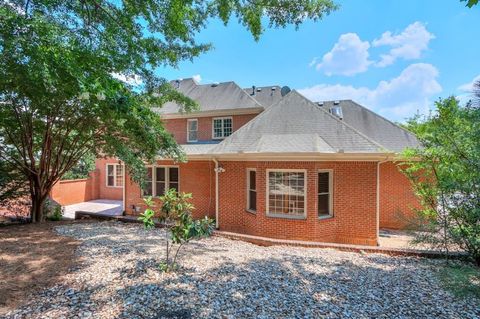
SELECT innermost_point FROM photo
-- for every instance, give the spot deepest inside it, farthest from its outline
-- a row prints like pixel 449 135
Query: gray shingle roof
pixel 295 124
pixel 377 128
pixel 197 149
pixel 211 97
pixel 265 95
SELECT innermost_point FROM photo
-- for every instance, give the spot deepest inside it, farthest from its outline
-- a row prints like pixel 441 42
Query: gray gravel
pixel 222 278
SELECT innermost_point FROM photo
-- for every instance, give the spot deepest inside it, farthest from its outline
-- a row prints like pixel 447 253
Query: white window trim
pixel 188 130
pixel 248 190
pixel 287 216
pixel 330 197
pixel 223 133
pixel 167 178
pixel 114 174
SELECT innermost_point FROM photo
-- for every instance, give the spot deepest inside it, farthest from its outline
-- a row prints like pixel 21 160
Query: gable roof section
pixel 211 97
pixel 374 126
pixel 295 124
pixel 265 95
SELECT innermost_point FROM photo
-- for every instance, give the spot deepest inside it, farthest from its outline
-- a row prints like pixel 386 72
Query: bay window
pixel 286 193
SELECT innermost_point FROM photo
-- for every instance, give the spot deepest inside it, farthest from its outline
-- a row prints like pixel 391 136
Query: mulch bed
pixel 32 256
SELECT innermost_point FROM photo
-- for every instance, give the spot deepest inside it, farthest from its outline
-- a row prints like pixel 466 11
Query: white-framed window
pixel 286 193
pixel 222 127
pixel 325 193
pixel 114 175
pixel 192 130
pixel 251 190
pixel 159 179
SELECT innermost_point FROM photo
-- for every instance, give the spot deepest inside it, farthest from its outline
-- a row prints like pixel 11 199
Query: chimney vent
pixel 336 102
pixel 337 111
pixel 320 103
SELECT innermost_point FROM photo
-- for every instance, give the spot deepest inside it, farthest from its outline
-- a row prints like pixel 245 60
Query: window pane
pixel 252 200
pixel 227 127
pixel 217 124
pixel 192 135
pixel 323 182
pixel 192 125
pixel 147 191
pixel 173 186
pixel 173 174
pixel 110 180
pixel 159 188
pixel 119 175
pixel 160 174
pixel 286 192
pixel 252 180
pixel 323 205
pixel 110 170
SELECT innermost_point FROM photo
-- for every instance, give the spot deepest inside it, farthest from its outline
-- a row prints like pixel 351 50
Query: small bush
pixel 55 214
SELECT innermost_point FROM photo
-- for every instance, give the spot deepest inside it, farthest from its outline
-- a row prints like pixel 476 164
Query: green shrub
pixel 175 216
pixel 55 214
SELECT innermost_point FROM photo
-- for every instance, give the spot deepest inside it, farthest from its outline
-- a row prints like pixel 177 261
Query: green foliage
pixel 61 67
pixel 445 174
pixel 147 217
pixel 12 182
pixel 56 213
pixel 462 280
pixel 175 216
pixel 82 169
pixel 470 3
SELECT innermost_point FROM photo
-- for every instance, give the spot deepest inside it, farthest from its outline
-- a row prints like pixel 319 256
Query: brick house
pixel 266 161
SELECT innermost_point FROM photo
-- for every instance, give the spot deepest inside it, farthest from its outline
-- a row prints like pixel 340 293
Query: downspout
pixel 378 197
pixel 216 192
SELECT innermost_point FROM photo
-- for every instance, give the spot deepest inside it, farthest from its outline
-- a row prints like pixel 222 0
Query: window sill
pixel 253 212
pixel 297 217
pixel 326 217
pixel 114 186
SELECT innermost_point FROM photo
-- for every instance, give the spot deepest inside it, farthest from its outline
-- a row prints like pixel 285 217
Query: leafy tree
pixel 445 174
pixel 82 169
pixel 12 183
pixel 176 218
pixel 68 71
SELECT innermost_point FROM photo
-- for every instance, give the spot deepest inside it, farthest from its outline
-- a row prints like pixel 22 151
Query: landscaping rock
pixel 222 278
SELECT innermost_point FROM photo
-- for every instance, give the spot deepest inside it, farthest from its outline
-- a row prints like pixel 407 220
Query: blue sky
pixel 395 57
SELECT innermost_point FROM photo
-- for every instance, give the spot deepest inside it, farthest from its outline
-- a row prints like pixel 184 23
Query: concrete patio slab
pixel 104 207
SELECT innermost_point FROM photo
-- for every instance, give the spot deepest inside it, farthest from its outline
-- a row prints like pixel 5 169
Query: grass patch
pixel 462 280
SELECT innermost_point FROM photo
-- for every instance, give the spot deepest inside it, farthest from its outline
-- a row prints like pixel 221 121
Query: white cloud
pixel 197 78
pixel 133 79
pixel 313 62
pixel 408 45
pixel 348 56
pixel 396 99
pixel 466 90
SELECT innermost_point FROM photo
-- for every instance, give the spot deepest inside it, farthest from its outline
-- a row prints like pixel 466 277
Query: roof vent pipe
pixel 253 89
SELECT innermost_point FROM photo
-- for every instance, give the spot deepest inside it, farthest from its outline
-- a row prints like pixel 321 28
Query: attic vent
pixel 337 111
pixel 320 103
pixel 215 84
pixel 259 89
pixel 336 102
pixel 273 88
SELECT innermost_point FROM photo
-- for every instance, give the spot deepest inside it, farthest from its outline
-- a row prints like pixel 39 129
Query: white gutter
pixel 216 192
pixel 378 197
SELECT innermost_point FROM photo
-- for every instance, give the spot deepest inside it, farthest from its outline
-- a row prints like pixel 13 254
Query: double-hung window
pixel 159 179
pixel 286 191
pixel 114 175
pixel 325 191
pixel 251 190
pixel 192 130
pixel 222 127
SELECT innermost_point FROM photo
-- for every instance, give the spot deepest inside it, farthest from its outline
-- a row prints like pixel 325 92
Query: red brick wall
pixel 396 197
pixel 196 177
pixel 104 191
pixel 68 192
pixel 354 203
pixel 178 127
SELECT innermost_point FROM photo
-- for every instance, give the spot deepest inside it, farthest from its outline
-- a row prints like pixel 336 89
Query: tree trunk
pixel 36 211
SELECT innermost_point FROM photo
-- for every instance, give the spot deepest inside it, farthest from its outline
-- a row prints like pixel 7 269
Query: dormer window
pixel 192 130
pixel 222 127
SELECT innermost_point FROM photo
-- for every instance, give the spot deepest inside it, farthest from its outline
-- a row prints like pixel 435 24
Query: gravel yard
pixel 221 278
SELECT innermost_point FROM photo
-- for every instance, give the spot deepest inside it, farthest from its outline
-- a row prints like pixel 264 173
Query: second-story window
pixel 222 127
pixel 192 130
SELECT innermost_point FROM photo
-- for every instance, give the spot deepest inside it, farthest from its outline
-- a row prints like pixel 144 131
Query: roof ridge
pixel 343 122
